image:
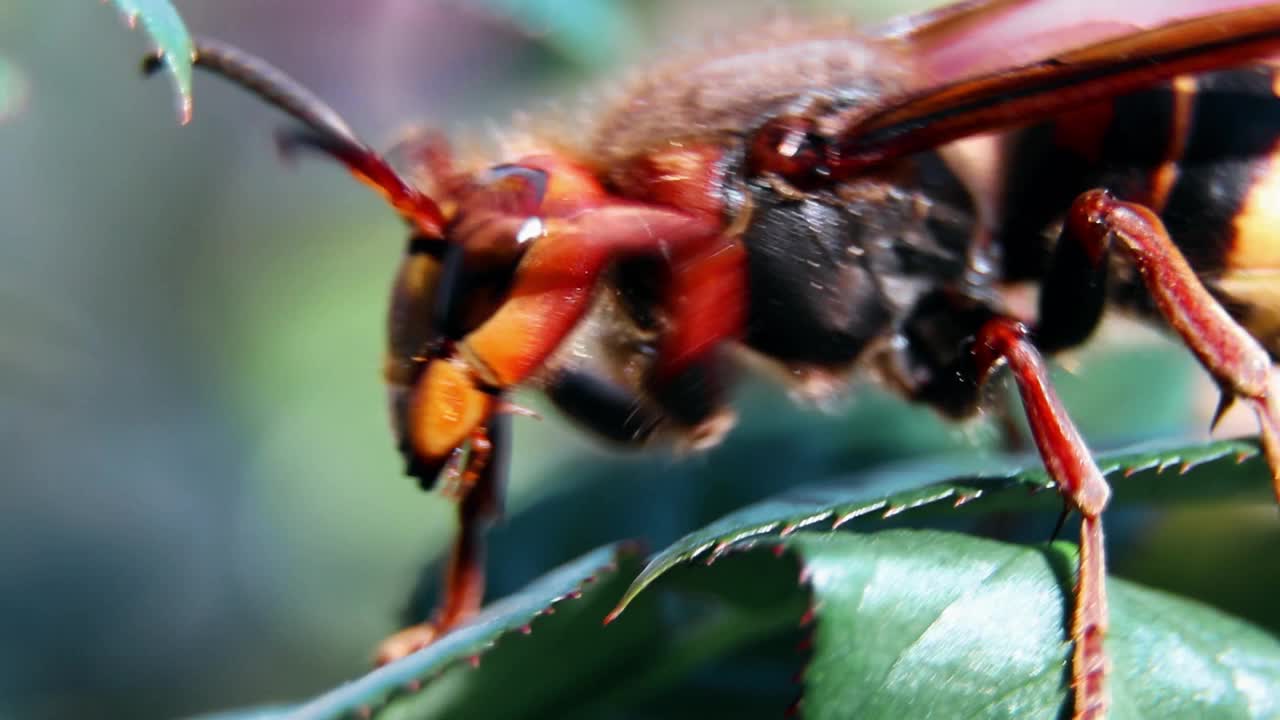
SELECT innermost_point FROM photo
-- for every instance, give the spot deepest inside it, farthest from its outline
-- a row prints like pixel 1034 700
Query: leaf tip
pixel 185 109
pixel 164 25
pixel 637 586
pixel 616 611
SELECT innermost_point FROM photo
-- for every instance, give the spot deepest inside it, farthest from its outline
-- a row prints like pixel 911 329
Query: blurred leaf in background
pixel 13 89
pixel 202 505
pixel 13 82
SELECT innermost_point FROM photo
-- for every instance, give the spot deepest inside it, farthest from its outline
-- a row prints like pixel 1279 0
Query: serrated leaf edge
pixel 1114 466
pixel 336 704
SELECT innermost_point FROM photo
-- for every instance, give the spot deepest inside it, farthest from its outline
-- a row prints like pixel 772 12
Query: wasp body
pixel 809 198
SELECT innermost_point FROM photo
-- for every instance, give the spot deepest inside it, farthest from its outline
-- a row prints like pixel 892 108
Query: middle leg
pixel 1002 340
pixel 953 345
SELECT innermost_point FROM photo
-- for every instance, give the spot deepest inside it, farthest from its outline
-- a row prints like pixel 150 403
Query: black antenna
pixel 324 130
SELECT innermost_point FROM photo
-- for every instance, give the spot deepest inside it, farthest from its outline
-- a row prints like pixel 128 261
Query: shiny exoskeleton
pixel 802 197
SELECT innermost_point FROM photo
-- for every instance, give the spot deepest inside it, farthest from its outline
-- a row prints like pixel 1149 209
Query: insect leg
pixel 1073 295
pixel 705 304
pixel 1235 359
pixel 1002 340
pixel 557 277
pixel 603 406
pixel 482 485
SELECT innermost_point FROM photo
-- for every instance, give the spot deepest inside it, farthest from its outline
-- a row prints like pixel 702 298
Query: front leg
pixel 705 307
pixel 600 404
pixel 455 401
pixel 479 487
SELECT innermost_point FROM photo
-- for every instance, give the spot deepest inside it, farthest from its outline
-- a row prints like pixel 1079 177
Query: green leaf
pixel 594 33
pixel 273 712
pixel 1151 477
pixel 904 623
pixel 173 42
pixel 468 672
pixel 934 624
pixel 13 89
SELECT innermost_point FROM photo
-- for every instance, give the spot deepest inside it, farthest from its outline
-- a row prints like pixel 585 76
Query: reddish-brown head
pixel 501 263
pixel 468 233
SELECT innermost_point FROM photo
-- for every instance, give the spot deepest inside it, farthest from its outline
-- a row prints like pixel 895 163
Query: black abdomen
pixel 1192 150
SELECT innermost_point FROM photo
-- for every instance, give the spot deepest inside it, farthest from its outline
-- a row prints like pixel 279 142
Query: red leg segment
pixel 1235 359
pixel 1005 341
pixel 479 485
pixel 556 281
pixel 705 305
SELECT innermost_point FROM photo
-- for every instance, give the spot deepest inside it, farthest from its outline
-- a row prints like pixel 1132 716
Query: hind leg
pixel 1234 358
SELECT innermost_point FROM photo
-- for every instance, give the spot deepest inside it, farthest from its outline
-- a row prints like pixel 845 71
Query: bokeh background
pixel 200 506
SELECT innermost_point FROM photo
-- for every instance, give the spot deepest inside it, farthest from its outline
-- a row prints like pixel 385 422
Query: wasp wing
pixel 967 38
pixel 1004 99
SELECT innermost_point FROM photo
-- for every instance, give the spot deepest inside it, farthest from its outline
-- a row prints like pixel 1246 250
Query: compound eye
pixel 501 215
pixel 790 148
pixel 510 189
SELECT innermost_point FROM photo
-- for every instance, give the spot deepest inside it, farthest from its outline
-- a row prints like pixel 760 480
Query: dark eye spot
pixel 514 189
pixel 789 147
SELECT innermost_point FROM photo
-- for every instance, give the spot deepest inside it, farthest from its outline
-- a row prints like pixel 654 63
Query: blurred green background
pixel 200 506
